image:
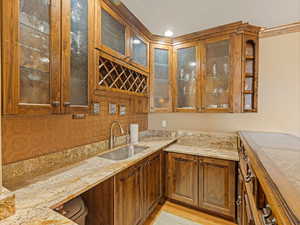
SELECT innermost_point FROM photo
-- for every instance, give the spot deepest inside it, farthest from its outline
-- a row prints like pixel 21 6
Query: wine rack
pixel 117 77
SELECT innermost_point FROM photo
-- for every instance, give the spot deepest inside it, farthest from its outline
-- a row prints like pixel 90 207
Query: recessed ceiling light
pixel 169 33
pixel 193 64
pixel 136 41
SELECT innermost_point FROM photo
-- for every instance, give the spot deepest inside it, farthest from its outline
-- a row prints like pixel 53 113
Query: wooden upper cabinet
pixel 221 74
pixel 160 78
pixel 118 38
pixel 31 56
pixel 46 69
pixel 186 61
pixel 78 59
pixel 113 34
pixel 217 182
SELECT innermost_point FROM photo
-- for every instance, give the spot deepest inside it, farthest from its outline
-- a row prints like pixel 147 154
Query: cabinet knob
pixel 67 104
pixel 238 201
pixel 268 218
pixel 55 103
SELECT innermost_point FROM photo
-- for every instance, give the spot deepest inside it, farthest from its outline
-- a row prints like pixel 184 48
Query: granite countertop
pixel 34 203
pixel 204 151
pixel 279 154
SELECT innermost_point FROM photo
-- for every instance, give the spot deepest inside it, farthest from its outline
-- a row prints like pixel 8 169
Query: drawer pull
pixel 267 216
pixel 267 211
pixel 249 177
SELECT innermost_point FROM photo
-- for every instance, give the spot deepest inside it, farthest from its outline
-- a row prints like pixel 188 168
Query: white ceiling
pixel 186 16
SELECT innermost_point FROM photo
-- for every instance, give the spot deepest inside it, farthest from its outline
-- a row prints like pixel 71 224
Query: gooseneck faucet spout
pixel 112 137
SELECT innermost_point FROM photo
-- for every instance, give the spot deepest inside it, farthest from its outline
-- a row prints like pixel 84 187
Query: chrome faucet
pixel 112 137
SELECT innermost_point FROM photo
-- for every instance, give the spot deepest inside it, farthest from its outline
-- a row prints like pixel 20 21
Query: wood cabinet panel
pixel 128 197
pixel 217 186
pixel 100 203
pixel 152 183
pixel 182 178
pixel 138 190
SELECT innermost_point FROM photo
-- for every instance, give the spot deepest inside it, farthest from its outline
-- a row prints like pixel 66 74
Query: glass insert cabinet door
pixel 160 79
pixel 113 33
pixel 76 54
pixel 32 45
pixel 139 51
pixel 217 78
pixel 186 78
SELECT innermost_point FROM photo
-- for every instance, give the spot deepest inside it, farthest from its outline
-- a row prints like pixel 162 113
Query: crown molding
pixel 280 30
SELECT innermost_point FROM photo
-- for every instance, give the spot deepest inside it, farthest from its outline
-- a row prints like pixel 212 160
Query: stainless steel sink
pixel 124 152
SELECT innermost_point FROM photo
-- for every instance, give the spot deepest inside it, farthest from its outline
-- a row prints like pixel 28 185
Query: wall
pixel 279 95
pixel 26 137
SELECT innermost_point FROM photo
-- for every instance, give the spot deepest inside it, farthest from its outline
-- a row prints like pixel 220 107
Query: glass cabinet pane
pixel 249 84
pixel 186 77
pixel 248 101
pixel 161 78
pixel 34 46
pixel 139 51
pixel 79 52
pixel 112 33
pixel 217 79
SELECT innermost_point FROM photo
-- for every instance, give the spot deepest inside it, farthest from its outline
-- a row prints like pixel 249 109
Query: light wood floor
pixel 186 213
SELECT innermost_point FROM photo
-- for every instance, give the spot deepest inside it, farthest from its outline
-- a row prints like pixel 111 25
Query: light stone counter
pixel 204 151
pixel 7 203
pixel 34 203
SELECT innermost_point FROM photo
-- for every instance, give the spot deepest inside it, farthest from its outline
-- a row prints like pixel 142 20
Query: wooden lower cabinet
pixel 137 191
pixel 152 183
pixel 217 182
pixel 182 178
pixel 100 204
pixel 128 197
pixel 204 183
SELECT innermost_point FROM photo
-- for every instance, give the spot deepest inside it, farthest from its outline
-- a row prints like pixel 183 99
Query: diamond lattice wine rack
pixel 120 78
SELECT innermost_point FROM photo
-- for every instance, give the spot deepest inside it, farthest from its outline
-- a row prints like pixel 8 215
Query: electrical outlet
pixel 96 108
pixel 164 123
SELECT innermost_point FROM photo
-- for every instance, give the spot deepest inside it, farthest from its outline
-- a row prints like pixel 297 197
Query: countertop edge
pixel 283 188
pixel 174 150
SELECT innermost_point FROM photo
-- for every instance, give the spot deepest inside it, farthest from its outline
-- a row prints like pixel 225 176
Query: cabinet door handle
pixel 56 103
pixel 267 211
pixel 249 177
pixel 238 201
pixel 267 217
